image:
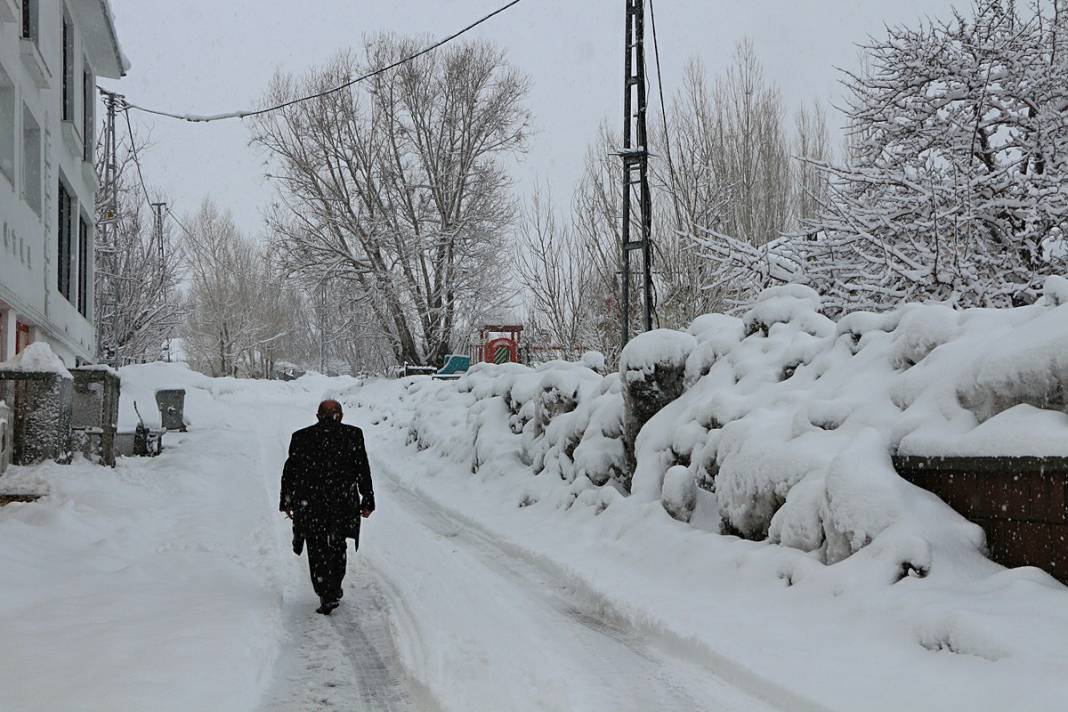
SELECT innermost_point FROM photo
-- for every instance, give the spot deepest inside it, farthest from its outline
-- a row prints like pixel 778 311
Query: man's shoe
pixel 326 607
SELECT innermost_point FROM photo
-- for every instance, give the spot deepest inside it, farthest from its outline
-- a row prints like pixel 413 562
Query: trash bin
pixel 171 404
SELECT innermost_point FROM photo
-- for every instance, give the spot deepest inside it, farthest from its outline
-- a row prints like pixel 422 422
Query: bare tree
pixel 397 185
pixel 241 310
pixel 554 271
pixel 812 148
pixel 753 157
pixel 136 300
pixel 596 222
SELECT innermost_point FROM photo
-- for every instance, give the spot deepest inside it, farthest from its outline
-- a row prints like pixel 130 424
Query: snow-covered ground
pixel 169 584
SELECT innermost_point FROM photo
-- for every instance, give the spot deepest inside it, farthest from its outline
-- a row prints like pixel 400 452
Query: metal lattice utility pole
pixel 106 246
pixel 158 209
pixel 635 155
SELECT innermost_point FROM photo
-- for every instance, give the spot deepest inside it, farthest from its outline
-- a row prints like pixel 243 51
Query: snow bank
pixel 162 583
pixel 778 426
pixel 860 572
pixel 140 383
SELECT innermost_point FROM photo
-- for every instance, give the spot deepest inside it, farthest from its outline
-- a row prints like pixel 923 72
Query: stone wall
pixel 1021 503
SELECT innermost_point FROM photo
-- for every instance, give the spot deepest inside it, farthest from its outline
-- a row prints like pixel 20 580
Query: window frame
pixel 84 273
pixel 32 180
pixel 67 86
pixel 31 20
pixel 7 87
pixel 88 113
pixel 64 228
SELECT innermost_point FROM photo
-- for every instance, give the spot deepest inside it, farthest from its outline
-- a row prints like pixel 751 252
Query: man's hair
pixel 329 410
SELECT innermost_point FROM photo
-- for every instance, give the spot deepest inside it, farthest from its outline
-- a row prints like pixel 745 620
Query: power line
pixel 179 223
pixel 194 118
pixel 663 113
pixel 137 162
pixel 133 152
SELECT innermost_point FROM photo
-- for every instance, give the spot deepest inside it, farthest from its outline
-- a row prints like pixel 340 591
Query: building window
pixel 7 126
pixel 31 161
pixel 29 19
pixel 84 274
pixel 88 114
pixel 68 69
pixel 66 204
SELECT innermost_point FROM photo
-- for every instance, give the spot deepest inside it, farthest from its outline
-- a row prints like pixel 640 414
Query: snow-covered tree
pixel 554 271
pixel 398 184
pixel 754 157
pixel 728 180
pixel 956 186
pixel 136 301
pixel 241 310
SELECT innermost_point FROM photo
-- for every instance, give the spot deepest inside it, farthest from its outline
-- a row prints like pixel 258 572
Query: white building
pixel 51 52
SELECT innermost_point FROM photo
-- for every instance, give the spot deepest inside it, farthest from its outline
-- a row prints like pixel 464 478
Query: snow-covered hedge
pixel 779 425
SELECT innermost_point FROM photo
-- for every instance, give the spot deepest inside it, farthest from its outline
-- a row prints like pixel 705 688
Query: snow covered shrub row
pixel 779 425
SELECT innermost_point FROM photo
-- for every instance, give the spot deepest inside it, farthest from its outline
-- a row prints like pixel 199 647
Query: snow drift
pixel 778 426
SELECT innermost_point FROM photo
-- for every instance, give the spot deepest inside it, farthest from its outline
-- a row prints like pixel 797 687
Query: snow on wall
pixel 37 357
pixel 786 424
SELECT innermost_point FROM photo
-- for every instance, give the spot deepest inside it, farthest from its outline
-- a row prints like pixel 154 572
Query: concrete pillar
pixel 42 409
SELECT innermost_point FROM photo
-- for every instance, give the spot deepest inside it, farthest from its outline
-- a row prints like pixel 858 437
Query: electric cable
pixel 667 143
pixel 194 118
pixel 140 175
pixel 133 152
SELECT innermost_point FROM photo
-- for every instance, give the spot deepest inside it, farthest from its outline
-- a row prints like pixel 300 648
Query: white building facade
pixel 51 52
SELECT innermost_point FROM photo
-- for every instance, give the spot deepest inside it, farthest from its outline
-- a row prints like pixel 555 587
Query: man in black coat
pixel 326 488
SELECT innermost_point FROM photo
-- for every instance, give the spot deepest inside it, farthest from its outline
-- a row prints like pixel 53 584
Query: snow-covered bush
pixel 680 493
pixel 779 426
pixel 652 367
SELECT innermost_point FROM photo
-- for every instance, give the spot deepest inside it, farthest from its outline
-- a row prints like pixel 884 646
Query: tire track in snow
pixel 584 607
pixel 616 665
pixel 346 661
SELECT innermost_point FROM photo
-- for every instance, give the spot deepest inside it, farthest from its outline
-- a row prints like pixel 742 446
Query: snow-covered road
pixel 438 614
pixel 169 584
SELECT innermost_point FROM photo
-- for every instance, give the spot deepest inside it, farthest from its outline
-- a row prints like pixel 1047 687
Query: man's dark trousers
pixel 327 560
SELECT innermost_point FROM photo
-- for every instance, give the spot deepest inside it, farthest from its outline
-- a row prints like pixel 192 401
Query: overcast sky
pixel 211 56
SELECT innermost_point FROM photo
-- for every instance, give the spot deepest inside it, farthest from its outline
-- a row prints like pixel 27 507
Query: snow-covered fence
pixel 1020 502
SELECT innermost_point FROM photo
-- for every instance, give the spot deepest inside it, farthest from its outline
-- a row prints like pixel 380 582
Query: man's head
pixel 330 410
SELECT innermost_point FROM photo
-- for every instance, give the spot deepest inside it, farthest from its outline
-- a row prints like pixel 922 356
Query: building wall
pixel 29 238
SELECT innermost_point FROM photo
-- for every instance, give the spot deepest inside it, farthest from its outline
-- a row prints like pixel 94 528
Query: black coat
pixel 326 481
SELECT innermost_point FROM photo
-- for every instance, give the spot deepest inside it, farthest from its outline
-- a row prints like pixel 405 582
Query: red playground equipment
pixel 503 347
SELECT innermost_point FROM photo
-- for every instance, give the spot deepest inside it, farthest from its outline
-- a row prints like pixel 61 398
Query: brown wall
pixel 1021 503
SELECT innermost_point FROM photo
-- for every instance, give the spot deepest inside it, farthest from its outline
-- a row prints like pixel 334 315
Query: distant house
pixel 51 52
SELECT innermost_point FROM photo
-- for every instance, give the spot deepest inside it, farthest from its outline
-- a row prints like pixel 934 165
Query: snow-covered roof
pixel 100 39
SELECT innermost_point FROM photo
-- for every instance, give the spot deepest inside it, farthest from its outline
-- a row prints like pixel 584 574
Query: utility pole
pixel 321 299
pixel 158 209
pixel 635 155
pixel 107 246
